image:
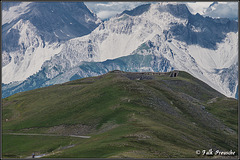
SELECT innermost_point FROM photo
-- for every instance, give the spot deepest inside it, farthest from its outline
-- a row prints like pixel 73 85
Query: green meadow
pixel 154 116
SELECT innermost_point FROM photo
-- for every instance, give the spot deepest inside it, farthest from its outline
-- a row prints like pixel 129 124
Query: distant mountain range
pixel 49 43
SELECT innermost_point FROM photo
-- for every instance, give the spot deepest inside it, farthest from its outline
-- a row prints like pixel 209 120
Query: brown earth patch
pixel 78 129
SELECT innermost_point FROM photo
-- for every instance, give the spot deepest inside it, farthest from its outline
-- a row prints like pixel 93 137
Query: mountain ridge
pixel 150 113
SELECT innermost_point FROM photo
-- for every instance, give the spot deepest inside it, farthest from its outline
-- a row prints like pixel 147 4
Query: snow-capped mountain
pixel 157 37
pixel 118 37
pixel 33 32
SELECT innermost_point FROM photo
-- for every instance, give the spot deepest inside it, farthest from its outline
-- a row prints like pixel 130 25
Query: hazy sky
pixel 106 10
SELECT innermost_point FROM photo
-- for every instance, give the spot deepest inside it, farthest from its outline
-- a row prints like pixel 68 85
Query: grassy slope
pixel 162 117
pixel 16 146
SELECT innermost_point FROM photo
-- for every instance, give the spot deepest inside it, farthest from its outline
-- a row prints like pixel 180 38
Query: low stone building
pixel 174 73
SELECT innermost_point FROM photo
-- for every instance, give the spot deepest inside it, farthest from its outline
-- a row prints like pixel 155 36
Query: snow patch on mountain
pixel 35 32
pixel 120 36
pixel 217 68
pixel 225 55
pixel 33 52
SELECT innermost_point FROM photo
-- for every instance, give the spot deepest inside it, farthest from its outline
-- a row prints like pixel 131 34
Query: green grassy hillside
pixel 126 114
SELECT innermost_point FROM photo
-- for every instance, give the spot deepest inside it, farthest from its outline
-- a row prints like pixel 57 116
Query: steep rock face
pixel 167 36
pixel 65 19
pixel 229 78
pixel 137 11
pixel 25 54
pixel 6 6
pixel 205 32
pixel 118 37
pixel 34 32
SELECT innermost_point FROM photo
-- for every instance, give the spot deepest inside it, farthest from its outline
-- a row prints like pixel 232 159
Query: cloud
pixel 106 14
pixel 198 7
pixel 224 10
pixel 106 10
pixel 219 9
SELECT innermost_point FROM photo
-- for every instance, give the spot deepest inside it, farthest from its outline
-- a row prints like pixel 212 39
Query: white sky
pixel 106 10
